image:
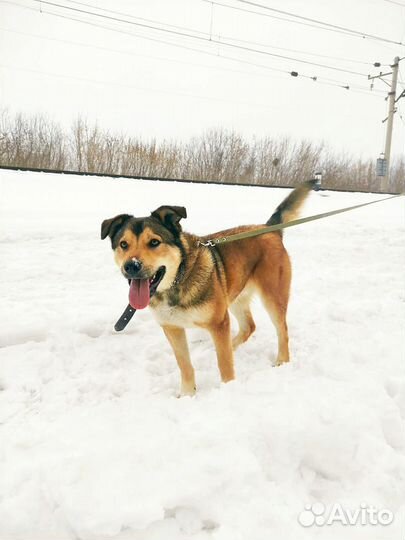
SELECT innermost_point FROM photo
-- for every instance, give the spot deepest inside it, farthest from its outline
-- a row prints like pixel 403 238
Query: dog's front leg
pixel 178 340
pixel 221 335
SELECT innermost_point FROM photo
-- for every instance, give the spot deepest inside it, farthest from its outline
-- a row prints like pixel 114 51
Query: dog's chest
pixel 177 316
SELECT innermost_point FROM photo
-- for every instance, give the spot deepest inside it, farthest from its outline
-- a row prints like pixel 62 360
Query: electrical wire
pixel 210 34
pixel 139 88
pixel 149 89
pixel 335 27
pixel 215 55
pixel 246 10
pixel 319 80
pixel 155 40
pixel 200 38
pixel 308 53
pixel 274 69
pixel 226 37
pixel 134 17
pixel 181 46
pixel 165 59
pixel 392 2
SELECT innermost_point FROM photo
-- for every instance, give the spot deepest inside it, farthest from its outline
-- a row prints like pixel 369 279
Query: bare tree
pixel 216 155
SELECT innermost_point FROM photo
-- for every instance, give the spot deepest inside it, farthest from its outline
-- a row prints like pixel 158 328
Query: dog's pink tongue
pixel 139 293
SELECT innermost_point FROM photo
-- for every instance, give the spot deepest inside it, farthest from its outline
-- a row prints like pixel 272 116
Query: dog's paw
pixel 281 362
pixel 187 391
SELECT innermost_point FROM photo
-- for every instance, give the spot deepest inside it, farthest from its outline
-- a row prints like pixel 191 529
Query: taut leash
pixel 271 228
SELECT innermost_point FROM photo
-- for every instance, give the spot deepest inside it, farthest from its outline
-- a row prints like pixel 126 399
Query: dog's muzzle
pixel 132 269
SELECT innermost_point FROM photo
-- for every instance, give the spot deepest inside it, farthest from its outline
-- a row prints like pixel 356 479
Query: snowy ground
pixel 95 445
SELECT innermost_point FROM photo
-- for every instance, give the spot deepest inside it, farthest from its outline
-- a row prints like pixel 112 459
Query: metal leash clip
pixel 210 243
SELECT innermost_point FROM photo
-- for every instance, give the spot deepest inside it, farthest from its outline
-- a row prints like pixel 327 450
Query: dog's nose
pixel 132 267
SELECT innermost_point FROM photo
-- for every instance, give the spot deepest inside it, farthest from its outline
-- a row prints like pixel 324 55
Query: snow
pixel 94 442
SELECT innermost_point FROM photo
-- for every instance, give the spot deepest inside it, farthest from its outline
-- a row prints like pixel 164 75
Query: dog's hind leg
pixel 241 310
pixel 277 314
pixel 274 290
pixel 221 335
pixel 178 340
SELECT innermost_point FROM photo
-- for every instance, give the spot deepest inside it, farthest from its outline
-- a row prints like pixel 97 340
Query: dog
pixel 187 284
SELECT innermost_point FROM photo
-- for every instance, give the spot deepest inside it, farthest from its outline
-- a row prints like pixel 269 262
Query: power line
pixel 18 5
pixel 308 53
pixel 335 27
pixel 148 38
pixel 200 38
pixel 134 17
pixel 392 2
pixel 165 59
pixel 245 10
pixel 117 19
pixel 141 88
pixel 319 80
pixel 156 40
pixel 222 36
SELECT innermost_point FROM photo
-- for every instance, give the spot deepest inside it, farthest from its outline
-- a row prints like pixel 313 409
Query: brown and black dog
pixel 190 285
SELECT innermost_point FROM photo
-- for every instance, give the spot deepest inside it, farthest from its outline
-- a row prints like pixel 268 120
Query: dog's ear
pixel 110 226
pixel 170 216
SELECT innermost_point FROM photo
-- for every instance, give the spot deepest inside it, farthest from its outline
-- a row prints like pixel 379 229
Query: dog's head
pixel 148 250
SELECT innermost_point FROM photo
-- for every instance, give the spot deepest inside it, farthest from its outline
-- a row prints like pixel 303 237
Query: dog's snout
pixel 132 267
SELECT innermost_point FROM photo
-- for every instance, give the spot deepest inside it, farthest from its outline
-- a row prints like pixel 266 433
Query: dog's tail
pixel 289 209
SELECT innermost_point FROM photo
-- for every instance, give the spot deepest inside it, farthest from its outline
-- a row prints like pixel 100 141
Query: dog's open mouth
pixel 141 290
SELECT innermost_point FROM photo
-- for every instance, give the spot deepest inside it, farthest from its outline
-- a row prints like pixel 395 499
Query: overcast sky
pixel 129 83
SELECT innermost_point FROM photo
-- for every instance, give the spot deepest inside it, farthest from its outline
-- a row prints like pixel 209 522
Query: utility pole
pixel 385 169
pixel 390 120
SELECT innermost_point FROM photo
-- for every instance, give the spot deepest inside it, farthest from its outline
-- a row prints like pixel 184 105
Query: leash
pixel 271 228
pixel 130 311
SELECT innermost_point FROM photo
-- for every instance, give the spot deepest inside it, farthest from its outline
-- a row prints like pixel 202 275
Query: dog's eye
pixel 154 243
pixel 124 245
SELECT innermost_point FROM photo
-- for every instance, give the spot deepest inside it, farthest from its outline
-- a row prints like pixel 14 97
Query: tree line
pixel 215 155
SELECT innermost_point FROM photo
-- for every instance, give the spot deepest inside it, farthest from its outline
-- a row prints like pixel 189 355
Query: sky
pixel 152 83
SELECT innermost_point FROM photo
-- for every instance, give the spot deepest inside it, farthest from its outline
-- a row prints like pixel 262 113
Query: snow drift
pixel 94 443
